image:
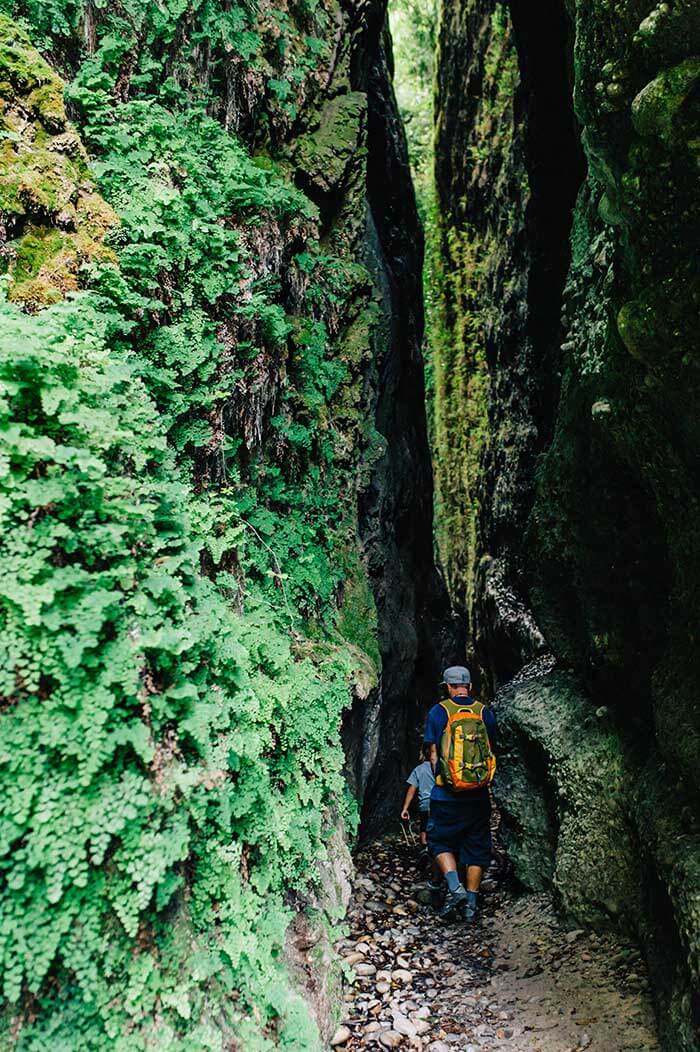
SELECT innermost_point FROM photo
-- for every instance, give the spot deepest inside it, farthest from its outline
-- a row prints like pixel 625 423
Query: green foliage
pixel 178 527
pixel 145 724
pixel 414 36
pixel 357 619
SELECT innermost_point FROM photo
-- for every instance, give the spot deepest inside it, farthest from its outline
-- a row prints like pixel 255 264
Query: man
pixel 459 829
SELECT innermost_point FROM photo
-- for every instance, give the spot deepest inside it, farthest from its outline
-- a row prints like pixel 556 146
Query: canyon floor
pixel 518 980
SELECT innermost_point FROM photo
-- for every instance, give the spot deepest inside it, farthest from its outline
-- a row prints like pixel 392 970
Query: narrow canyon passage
pixel 341 342
pixel 537 168
pixel 520 980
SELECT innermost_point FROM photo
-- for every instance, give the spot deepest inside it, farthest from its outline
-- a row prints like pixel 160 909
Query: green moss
pixel 460 406
pixel 44 178
pixel 36 246
pixel 22 69
pixel 657 109
pixel 42 268
pixel 47 103
pixel 461 260
pixel 325 153
pixel 32 184
pixel 356 620
pixel 356 339
pixel 656 325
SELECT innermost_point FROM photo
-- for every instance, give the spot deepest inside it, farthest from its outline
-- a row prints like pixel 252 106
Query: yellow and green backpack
pixel 465 757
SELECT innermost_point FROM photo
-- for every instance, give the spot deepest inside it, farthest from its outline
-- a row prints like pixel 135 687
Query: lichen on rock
pixel 52 221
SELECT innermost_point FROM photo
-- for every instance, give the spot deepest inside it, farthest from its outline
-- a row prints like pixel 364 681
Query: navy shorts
pixel 423 819
pixel 462 827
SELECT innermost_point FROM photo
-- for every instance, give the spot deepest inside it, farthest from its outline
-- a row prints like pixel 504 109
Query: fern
pixel 171 673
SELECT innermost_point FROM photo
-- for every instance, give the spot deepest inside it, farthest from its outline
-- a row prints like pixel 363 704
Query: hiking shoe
pixel 454 906
pixel 469 908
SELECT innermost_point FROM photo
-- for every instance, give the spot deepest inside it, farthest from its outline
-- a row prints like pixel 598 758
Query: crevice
pixel 556 169
pixel 396 505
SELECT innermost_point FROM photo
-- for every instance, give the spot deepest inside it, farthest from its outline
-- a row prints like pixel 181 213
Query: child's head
pixel 425 751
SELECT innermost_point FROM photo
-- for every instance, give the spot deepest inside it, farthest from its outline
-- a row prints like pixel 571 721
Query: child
pixel 421 780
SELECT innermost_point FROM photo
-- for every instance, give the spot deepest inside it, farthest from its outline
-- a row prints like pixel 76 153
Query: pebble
pixel 424 988
pixel 390 1039
pixel 403 1025
pixel 402 975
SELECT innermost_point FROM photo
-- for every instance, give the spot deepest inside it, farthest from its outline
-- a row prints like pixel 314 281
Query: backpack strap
pixel 452 707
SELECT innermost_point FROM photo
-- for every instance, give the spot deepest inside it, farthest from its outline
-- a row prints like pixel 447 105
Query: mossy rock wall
pixel 582 481
pixel 199 480
pixel 54 221
pixel 566 798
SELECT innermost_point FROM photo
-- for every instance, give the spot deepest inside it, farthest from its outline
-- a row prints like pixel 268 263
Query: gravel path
pixel 518 980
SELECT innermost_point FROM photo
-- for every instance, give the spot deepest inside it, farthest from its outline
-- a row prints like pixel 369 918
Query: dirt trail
pixel 518 980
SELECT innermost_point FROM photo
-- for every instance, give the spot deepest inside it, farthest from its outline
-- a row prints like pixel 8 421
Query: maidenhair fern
pixel 178 451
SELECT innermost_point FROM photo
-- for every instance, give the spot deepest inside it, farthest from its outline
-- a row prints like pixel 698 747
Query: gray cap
pixel 456 676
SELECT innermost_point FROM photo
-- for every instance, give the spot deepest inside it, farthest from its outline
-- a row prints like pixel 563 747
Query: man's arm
pixel 434 726
pixel 491 727
pixel 410 793
pixel 433 757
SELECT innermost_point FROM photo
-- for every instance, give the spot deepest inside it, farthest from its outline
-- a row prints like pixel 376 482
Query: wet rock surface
pixel 518 980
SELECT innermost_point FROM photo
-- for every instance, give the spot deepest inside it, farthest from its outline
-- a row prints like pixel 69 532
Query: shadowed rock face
pixel 396 510
pixel 566 167
pixel 508 168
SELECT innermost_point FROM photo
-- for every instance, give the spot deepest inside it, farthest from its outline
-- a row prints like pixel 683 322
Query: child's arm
pixel 410 793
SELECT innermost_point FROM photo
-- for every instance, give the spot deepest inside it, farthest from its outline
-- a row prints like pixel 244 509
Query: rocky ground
pixel 518 980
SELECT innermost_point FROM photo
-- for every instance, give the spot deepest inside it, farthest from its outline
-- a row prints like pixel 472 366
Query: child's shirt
pixel 423 778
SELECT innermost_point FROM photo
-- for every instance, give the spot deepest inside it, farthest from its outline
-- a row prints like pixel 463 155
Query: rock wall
pixel 396 509
pixel 566 169
pixel 218 515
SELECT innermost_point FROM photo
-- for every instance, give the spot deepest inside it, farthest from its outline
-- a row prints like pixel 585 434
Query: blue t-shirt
pixel 434 726
pixel 423 779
